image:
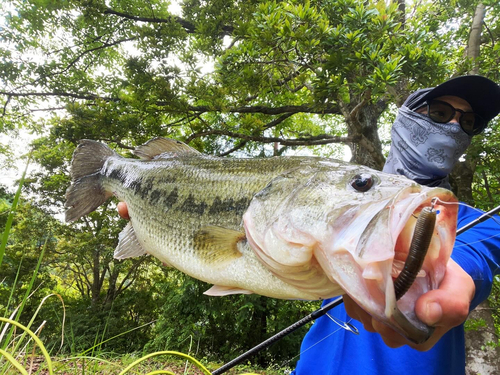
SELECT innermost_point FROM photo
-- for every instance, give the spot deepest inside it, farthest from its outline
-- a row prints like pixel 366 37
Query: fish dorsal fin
pixel 217 244
pixel 221 290
pixel 128 244
pixel 155 147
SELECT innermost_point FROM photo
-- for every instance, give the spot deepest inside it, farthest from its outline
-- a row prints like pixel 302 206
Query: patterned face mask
pixel 423 150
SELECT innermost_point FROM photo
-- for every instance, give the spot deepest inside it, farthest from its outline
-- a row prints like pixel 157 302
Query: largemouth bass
pixel 284 227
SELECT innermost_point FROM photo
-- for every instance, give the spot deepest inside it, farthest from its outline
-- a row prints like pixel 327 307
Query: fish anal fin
pixel 154 148
pixel 128 244
pixel 217 244
pixel 221 290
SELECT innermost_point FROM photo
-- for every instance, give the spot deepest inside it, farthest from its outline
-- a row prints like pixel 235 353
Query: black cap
pixel 481 93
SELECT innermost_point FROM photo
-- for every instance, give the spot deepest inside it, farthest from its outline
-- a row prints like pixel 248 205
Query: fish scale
pixel 170 224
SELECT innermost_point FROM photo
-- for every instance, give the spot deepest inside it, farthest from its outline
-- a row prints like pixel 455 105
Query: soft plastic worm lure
pixel 420 242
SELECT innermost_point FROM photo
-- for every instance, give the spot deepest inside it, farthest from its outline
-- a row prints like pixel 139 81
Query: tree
pixel 475 180
pixel 229 78
pixel 280 71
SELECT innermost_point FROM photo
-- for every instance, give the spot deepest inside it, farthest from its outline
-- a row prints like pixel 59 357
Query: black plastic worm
pixel 418 249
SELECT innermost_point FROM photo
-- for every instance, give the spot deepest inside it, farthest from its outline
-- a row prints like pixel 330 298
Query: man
pixel 432 130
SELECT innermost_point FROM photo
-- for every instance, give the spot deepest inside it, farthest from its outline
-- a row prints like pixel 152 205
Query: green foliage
pixel 230 78
pixel 127 71
pixel 223 328
pixel 474 324
pixel 23 270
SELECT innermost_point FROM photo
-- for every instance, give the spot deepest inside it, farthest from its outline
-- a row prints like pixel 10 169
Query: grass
pixel 155 363
pixel 22 352
pixel 22 361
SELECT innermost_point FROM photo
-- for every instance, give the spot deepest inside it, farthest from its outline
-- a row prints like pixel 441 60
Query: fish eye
pixel 362 182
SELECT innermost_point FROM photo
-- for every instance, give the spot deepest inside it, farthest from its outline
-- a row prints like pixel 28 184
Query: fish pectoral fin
pixel 154 148
pixel 221 290
pixel 217 244
pixel 128 244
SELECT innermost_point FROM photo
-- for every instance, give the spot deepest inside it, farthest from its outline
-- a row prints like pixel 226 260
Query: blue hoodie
pixel 328 349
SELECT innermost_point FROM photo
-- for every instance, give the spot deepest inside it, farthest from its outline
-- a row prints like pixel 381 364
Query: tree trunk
pixel 473 47
pixel 362 121
pixel 111 293
pixel 402 10
pixel 96 276
pixel 463 173
pixel 482 359
pixel 461 181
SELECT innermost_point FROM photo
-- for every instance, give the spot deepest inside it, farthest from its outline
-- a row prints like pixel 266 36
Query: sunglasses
pixel 442 112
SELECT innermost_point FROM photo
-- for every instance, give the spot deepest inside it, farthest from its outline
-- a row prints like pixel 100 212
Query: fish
pixel 288 227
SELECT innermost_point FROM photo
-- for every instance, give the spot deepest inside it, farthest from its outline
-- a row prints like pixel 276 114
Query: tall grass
pixel 10 217
pixel 6 335
pixel 15 345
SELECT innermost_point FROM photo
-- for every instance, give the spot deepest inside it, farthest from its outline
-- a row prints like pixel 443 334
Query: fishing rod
pixel 312 316
pixel 323 310
pixel 480 219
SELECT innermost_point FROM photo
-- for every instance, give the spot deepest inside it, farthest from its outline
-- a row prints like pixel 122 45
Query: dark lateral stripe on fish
pixel 148 189
pixel 167 197
pixel 227 205
pixel 191 205
pixel 116 174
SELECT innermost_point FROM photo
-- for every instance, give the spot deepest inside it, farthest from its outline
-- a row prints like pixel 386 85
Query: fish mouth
pixel 368 272
pixel 407 210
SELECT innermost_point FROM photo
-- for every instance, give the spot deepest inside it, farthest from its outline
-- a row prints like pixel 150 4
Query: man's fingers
pixel 449 305
pixel 443 308
pixel 391 338
pixel 123 210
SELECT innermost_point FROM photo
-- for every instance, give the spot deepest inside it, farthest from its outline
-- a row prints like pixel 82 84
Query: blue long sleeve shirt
pixel 328 349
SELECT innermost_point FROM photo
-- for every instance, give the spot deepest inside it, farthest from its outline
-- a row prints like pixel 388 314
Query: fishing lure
pixel 420 242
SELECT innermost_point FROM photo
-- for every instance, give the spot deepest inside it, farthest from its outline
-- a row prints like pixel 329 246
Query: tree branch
pixel 131 275
pixel 64 94
pixel 118 143
pixel 309 141
pixel 268 126
pixel 487 187
pixel 491 34
pixel 235 148
pixel 77 58
pixel 279 120
pixel 102 276
pixel 189 27
pixel 104 45
pixel 5 105
pixel 81 277
pixel 330 109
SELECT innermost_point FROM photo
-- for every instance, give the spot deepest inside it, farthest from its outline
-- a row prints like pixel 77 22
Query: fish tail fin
pixel 86 192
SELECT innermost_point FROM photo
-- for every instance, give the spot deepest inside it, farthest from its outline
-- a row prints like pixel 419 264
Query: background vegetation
pixel 231 78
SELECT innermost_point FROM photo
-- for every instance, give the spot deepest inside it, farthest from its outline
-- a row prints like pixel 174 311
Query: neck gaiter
pixel 423 150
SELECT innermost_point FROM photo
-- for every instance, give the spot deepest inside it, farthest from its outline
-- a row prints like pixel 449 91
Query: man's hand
pixel 123 210
pixel 443 308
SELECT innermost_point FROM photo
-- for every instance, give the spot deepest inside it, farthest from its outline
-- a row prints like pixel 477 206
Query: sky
pixel 9 175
